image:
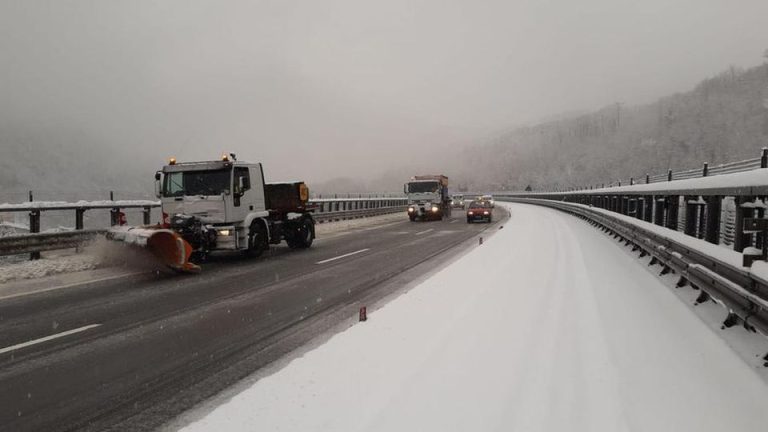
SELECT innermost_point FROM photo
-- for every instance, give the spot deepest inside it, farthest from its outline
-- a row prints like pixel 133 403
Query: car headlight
pixel 435 209
pixel 485 213
pixel 470 213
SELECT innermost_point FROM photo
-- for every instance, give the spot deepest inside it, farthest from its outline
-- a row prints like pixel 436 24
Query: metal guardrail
pixel 39 242
pixel 326 210
pixel 743 294
pixel 355 214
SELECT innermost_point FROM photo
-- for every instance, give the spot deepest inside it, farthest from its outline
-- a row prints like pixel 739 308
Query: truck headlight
pixel 435 209
pixel 224 232
pixel 411 209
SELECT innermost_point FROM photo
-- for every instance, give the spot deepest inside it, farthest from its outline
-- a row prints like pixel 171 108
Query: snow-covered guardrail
pixel 325 210
pixel 695 227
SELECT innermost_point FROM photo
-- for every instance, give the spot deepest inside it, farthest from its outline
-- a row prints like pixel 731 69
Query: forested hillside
pixel 724 118
pixel 61 163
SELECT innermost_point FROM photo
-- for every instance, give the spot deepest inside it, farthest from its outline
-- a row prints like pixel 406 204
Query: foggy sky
pixel 303 85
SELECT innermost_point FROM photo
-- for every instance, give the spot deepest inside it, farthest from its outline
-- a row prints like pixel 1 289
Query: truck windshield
pixel 422 187
pixel 208 182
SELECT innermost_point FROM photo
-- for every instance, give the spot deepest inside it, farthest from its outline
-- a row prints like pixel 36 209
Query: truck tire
pixel 257 239
pixel 303 234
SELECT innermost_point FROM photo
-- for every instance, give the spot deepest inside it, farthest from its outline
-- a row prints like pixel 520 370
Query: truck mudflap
pixel 165 244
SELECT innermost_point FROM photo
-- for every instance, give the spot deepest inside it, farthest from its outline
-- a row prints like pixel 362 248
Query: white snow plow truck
pixel 221 205
pixel 428 197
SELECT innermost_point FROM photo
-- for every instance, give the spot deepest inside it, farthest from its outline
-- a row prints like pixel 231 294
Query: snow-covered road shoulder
pixel 547 326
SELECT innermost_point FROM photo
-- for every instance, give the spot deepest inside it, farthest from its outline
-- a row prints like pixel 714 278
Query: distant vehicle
pixel 479 211
pixel 457 201
pixel 428 197
pixel 489 198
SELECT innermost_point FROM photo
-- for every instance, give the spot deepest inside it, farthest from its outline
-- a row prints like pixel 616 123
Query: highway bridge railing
pixel 712 231
pixel 325 210
pixel 706 170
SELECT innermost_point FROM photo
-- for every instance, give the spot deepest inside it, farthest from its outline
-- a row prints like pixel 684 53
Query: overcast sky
pixel 303 85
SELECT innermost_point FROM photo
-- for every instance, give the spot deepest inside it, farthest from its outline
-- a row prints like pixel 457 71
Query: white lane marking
pixel 455 220
pixel 342 256
pixel 47 338
pixel 425 231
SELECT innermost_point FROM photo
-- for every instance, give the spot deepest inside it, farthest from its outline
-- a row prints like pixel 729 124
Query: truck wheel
pixel 303 235
pixel 257 239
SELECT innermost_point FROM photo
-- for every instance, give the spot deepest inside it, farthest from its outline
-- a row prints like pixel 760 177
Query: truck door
pixel 251 197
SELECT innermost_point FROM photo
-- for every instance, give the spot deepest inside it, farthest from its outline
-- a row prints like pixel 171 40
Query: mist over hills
pixel 61 162
pixel 724 118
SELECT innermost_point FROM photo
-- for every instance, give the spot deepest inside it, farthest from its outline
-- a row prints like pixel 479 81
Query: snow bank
pixel 548 326
pixel 46 267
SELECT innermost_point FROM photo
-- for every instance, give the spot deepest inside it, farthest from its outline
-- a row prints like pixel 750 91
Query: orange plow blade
pixel 168 246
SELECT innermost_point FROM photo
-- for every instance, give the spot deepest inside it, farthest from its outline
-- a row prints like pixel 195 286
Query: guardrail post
pixel 114 216
pixel 79 212
pixel 147 213
pixel 691 213
pixel 647 178
pixel 740 240
pixel 34 227
pixel 673 204
pixel 759 212
pixel 658 210
pixel 631 181
pixel 669 175
pixel 712 223
pixel 648 208
pixel 764 158
pixel 705 170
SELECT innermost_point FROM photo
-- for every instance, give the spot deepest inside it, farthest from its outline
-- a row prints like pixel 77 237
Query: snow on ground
pixel 548 326
pixel 46 267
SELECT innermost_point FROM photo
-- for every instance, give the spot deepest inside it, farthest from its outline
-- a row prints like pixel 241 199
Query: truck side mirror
pixel 157 185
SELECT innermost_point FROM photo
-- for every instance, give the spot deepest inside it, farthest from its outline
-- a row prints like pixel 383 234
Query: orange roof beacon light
pixel 172 161
pixel 224 157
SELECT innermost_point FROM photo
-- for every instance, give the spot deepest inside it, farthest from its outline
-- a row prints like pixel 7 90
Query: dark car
pixel 479 211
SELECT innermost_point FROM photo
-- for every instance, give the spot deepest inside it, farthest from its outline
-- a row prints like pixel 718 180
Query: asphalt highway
pixel 132 353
